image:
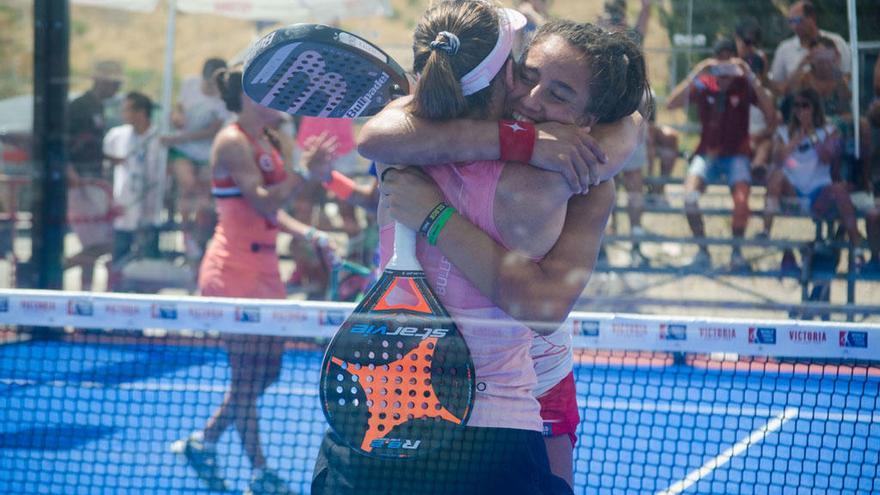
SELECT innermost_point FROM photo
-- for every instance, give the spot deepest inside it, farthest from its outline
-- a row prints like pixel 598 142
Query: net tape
pixel 283 318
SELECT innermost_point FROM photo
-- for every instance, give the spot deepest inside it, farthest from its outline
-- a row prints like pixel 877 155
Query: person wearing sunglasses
pixel 792 52
pixel 804 152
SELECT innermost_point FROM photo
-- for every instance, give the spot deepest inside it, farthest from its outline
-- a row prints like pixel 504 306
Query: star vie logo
pixel 515 127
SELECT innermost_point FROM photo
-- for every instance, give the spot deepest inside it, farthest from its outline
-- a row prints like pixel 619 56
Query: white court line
pixel 721 408
pixel 737 448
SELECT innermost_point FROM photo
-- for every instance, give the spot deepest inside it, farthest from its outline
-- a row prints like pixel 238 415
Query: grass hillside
pixel 138 40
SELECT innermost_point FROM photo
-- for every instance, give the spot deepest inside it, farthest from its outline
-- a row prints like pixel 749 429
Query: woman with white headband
pixel 572 73
pixel 462 55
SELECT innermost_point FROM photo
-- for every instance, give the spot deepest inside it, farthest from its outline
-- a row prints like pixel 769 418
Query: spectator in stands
pixel 320 207
pixel 138 180
pixel 827 80
pixel 825 76
pixel 86 129
pixel 536 12
pixel 197 116
pixel 748 38
pixel 804 151
pixel 871 150
pixel 614 20
pixel 723 88
pixel 791 54
pixel 662 149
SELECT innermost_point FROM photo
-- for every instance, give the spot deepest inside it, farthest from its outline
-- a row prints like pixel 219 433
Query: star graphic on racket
pixel 399 391
pixel 515 127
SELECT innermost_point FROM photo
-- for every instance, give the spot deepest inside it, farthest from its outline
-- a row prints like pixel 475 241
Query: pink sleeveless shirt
pixel 505 375
pixel 241 260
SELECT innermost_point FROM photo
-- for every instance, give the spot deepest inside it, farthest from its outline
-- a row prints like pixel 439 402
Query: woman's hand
pixel 325 247
pixel 410 194
pixel 317 157
pixel 568 150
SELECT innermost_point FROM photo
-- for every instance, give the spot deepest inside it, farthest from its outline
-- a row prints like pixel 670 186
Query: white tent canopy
pixel 254 10
pixel 286 10
pixel 133 5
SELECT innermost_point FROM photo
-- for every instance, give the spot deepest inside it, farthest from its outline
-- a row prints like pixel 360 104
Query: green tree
pixel 719 18
pixel 16 50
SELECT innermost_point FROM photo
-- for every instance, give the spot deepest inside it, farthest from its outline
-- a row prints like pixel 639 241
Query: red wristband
pixel 516 140
pixel 340 185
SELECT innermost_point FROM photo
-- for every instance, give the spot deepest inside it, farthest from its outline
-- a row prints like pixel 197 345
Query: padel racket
pixel 397 379
pixel 320 71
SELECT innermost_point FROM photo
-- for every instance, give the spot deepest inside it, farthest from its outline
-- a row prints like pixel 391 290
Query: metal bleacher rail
pixel 804 275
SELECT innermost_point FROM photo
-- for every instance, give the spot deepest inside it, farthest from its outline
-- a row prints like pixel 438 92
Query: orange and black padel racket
pixel 397 379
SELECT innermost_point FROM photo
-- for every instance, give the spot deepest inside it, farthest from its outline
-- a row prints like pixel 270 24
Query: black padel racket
pixel 320 71
pixel 397 379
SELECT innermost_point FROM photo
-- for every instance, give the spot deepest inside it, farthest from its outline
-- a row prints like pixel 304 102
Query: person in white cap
pixel 85 169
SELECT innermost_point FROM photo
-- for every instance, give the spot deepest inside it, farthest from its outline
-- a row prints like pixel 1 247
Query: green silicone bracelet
pixel 439 224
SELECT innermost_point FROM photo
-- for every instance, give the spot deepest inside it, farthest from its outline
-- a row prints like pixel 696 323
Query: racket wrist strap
pixel 340 185
pixel 439 223
pixel 516 140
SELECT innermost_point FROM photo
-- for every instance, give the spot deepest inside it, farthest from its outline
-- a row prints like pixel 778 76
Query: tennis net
pixel 668 405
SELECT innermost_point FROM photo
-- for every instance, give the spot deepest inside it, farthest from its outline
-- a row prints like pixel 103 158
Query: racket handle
pixel 404 255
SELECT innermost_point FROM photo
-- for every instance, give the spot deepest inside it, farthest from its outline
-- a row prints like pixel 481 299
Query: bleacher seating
pixel 806 242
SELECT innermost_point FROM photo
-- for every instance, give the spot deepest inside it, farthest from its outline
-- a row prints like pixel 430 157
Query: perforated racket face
pixel 397 379
pixel 319 71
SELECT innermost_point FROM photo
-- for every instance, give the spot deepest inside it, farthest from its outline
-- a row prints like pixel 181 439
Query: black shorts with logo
pixel 479 461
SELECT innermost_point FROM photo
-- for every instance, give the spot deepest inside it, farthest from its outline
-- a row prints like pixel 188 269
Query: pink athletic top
pixel 505 375
pixel 343 129
pixel 241 260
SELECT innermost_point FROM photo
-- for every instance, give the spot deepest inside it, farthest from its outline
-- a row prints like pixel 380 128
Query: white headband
pixel 509 23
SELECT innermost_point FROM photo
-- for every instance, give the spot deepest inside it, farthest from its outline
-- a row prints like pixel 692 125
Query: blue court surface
pixel 99 418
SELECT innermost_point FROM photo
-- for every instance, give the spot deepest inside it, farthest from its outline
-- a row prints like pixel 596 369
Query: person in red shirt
pixel 723 88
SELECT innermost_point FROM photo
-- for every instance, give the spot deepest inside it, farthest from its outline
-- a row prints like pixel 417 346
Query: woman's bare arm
pixel 540 294
pixel 578 153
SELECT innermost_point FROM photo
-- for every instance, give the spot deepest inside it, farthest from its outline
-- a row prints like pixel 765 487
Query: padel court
pixel 89 415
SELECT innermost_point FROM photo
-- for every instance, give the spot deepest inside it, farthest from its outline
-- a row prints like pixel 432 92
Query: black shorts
pixel 480 461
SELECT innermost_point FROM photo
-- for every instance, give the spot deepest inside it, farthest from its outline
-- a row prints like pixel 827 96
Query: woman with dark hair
pixel 573 74
pixel 464 75
pixel 804 152
pixel 250 184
